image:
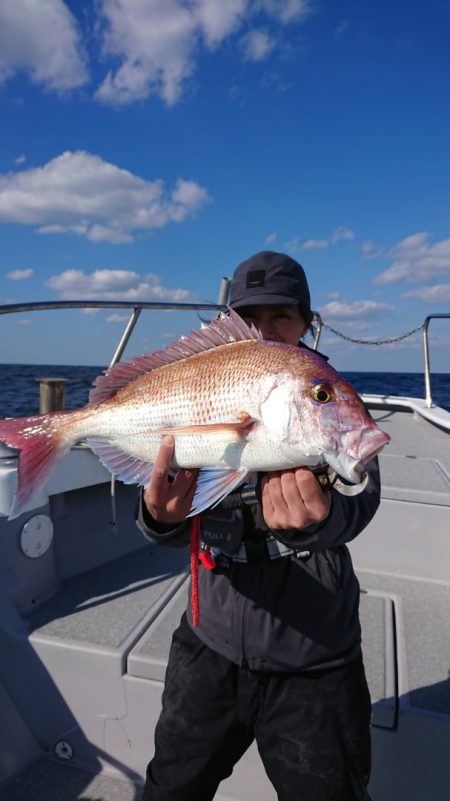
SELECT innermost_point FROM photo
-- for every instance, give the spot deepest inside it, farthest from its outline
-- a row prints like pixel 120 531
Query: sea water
pixel 19 388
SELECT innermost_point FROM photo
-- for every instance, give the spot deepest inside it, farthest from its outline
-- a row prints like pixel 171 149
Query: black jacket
pixel 296 612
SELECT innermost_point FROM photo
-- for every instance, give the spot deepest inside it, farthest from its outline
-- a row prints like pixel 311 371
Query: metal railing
pixel 426 354
pixel 426 350
pixel 137 308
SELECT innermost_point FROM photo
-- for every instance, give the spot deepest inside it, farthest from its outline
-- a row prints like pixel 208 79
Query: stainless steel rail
pixel 12 308
pixel 426 350
pixel 426 354
pixel 137 308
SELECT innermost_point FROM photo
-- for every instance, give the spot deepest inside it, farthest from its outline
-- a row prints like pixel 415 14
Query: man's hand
pixel 169 501
pixel 293 499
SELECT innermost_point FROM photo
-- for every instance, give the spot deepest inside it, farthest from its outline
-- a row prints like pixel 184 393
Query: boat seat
pixel 148 658
pixel 377 615
pixel 415 478
pixel 110 604
pixel 423 643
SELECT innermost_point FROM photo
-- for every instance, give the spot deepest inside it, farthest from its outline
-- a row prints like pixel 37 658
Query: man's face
pixel 276 323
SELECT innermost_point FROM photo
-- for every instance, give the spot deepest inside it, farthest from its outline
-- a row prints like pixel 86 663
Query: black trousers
pixel 311 729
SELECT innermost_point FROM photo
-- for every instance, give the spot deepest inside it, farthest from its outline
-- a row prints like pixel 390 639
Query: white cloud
pixel 115 285
pixel 273 80
pixel 151 46
pixel 118 318
pixel 286 10
pixel 339 234
pixel 80 193
pixel 89 312
pixel 155 42
pixel 341 29
pixel 218 19
pixel 315 244
pixel 158 41
pixel 440 341
pixel 20 275
pixel 341 309
pixel 270 239
pixel 370 250
pixel 293 245
pixel 257 45
pixel 356 326
pixel 416 260
pixel 42 39
pixel 439 293
pixel 20 159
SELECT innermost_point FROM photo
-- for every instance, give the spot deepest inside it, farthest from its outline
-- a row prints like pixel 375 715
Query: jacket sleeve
pixel 348 516
pixel 176 537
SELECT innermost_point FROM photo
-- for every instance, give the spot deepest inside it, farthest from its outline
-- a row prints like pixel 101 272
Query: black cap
pixel 269 278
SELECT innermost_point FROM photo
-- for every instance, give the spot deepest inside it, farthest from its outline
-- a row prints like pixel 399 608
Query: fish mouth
pixel 372 443
pixel 375 452
pixel 351 459
pixel 353 468
pixel 350 469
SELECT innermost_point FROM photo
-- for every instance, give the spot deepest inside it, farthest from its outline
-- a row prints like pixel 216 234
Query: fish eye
pixel 322 393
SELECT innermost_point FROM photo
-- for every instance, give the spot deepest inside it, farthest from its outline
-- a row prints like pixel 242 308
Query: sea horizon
pixel 19 393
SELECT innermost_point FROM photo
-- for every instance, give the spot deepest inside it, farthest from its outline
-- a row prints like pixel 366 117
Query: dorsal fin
pixel 222 330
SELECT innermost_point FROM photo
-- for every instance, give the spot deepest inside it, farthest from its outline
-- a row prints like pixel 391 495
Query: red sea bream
pixel 234 403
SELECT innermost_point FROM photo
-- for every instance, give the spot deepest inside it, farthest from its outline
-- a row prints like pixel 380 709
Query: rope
pixel 195 547
pixel 206 558
pixel 372 341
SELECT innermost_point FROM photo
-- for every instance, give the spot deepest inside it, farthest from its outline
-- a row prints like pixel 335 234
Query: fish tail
pixel 43 440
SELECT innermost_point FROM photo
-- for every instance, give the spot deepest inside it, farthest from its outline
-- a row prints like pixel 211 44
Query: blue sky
pixel 148 146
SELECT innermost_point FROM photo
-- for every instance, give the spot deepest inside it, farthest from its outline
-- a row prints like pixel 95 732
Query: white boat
pixel 87 609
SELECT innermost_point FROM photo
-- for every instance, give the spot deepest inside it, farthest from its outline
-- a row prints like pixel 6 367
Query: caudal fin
pixel 42 444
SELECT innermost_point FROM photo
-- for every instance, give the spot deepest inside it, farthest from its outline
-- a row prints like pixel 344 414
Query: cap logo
pixel 255 278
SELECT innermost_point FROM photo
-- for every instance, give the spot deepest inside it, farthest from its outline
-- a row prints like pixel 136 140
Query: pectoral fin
pixel 213 485
pixel 226 432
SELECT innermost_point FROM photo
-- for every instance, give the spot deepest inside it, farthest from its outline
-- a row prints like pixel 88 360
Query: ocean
pixel 19 390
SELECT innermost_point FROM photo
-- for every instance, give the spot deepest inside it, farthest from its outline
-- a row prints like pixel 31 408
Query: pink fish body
pixel 235 403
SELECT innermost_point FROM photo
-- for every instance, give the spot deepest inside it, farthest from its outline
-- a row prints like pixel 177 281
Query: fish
pixel 234 403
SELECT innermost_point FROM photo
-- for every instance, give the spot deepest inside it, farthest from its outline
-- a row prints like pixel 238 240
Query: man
pixel 277 654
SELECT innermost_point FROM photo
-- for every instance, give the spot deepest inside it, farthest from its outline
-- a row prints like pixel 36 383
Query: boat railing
pixel 137 308
pixel 318 325
pixel 426 354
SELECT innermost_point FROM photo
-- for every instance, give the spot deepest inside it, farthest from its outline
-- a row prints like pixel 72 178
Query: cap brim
pixel 264 300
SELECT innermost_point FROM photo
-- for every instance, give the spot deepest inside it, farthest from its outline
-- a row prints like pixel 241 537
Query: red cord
pixel 195 547
pixel 207 561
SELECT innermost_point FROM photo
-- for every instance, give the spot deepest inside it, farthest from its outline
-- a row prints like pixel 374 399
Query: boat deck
pixel 87 660
pixel 416 464
pixel 52 781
